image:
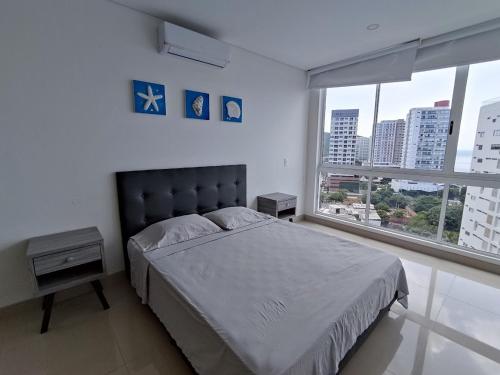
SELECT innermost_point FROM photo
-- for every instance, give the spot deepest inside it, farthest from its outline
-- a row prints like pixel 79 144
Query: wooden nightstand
pixel 279 205
pixel 63 260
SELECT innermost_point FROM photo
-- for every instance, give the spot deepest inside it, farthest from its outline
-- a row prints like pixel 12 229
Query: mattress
pixel 270 298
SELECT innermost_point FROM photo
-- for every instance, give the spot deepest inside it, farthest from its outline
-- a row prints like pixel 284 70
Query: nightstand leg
pixel 48 300
pixel 98 289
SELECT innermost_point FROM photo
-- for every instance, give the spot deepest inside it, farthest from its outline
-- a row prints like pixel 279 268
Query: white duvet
pixel 283 298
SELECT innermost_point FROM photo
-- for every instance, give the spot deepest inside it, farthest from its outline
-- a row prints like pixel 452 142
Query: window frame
pixel 447 176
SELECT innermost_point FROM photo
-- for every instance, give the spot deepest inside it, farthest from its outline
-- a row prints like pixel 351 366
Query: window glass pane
pixel 349 113
pixel 478 144
pixel 407 206
pixel 413 120
pixel 343 196
pixel 473 218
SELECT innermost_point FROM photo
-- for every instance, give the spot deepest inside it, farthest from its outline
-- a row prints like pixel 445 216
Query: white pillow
pixel 234 217
pixel 174 230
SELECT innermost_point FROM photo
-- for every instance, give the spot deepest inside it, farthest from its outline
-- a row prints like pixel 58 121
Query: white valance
pixel 389 65
pixel 469 45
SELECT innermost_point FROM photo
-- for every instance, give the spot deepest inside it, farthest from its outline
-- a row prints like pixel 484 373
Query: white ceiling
pixel 311 33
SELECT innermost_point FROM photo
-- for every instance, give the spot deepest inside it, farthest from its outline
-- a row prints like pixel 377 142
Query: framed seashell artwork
pixel 149 98
pixel 232 109
pixel 197 105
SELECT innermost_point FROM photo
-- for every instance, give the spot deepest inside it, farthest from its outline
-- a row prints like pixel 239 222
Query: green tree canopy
pixel 337 196
pixel 382 206
pixel 425 203
pixel 397 201
pixel 384 216
pixel 419 224
pixel 399 213
pixel 453 218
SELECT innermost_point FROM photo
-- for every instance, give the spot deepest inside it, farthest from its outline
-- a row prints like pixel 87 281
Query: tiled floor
pixel 451 327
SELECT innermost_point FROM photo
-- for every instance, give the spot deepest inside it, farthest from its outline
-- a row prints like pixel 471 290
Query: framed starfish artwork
pixel 197 105
pixel 232 109
pixel 149 98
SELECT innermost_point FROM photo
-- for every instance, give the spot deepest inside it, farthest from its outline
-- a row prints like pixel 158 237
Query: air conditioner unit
pixel 176 40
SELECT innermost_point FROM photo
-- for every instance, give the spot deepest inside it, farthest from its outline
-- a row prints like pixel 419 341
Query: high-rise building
pixel 388 143
pixel 426 133
pixel 480 228
pixel 343 133
pixel 425 136
pixel 362 149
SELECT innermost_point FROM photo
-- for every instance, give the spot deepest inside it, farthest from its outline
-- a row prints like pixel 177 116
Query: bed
pixel 269 298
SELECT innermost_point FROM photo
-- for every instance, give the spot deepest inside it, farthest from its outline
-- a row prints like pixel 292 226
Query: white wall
pixel 66 122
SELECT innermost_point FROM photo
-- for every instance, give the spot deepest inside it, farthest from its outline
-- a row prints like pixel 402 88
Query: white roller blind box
pixel 390 65
pixel 474 44
pixel 480 44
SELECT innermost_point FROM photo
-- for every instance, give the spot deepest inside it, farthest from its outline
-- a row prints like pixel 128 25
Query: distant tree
pixel 337 196
pixel 433 215
pixel 397 201
pixel 399 213
pixel 425 203
pixel 323 197
pixel 452 236
pixel 419 225
pixel 385 181
pixel 453 218
pixel 383 194
pixel 382 206
pixel 376 198
pixel 463 192
pixel 384 216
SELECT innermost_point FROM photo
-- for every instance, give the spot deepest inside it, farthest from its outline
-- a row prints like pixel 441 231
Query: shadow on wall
pixel 14 267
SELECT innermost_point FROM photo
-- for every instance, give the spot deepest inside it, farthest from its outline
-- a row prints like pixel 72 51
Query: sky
pixel 423 90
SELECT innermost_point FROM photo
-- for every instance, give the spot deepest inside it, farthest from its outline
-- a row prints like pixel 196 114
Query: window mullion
pixel 374 125
pixel 368 199
pixel 442 213
pixel 457 105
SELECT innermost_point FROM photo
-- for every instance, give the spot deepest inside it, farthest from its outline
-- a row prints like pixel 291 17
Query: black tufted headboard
pixel 145 197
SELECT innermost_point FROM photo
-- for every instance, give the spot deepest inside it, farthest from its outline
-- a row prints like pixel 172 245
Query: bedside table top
pixel 278 196
pixel 62 241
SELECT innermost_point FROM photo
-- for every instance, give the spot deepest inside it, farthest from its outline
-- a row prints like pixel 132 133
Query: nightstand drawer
pixel 290 203
pixel 65 259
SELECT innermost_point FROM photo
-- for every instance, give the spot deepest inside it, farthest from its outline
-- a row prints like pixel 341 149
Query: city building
pixel 425 136
pixel 362 149
pixel 343 133
pixel 336 181
pixel 480 228
pixel 353 212
pixel 424 146
pixel 388 143
pixel 410 185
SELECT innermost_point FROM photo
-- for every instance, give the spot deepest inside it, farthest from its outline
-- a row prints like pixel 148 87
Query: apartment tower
pixel 343 133
pixel 480 227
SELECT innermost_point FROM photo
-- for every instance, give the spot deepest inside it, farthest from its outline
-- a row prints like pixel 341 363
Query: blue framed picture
pixel 232 109
pixel 149 98
pixel 197 105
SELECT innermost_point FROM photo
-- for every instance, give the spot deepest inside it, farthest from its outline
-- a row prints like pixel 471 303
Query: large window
pixel 480 129
pixel 417 158
pixel 413 119
pixel 347 133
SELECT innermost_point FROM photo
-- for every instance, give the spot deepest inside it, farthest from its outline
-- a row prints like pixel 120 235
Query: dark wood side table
pixel 63 260
pixel 279 205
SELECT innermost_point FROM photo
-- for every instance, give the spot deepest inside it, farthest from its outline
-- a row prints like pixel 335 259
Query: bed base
pixel 359 341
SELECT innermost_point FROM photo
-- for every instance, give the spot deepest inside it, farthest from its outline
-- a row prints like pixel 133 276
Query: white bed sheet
pixel 271 298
